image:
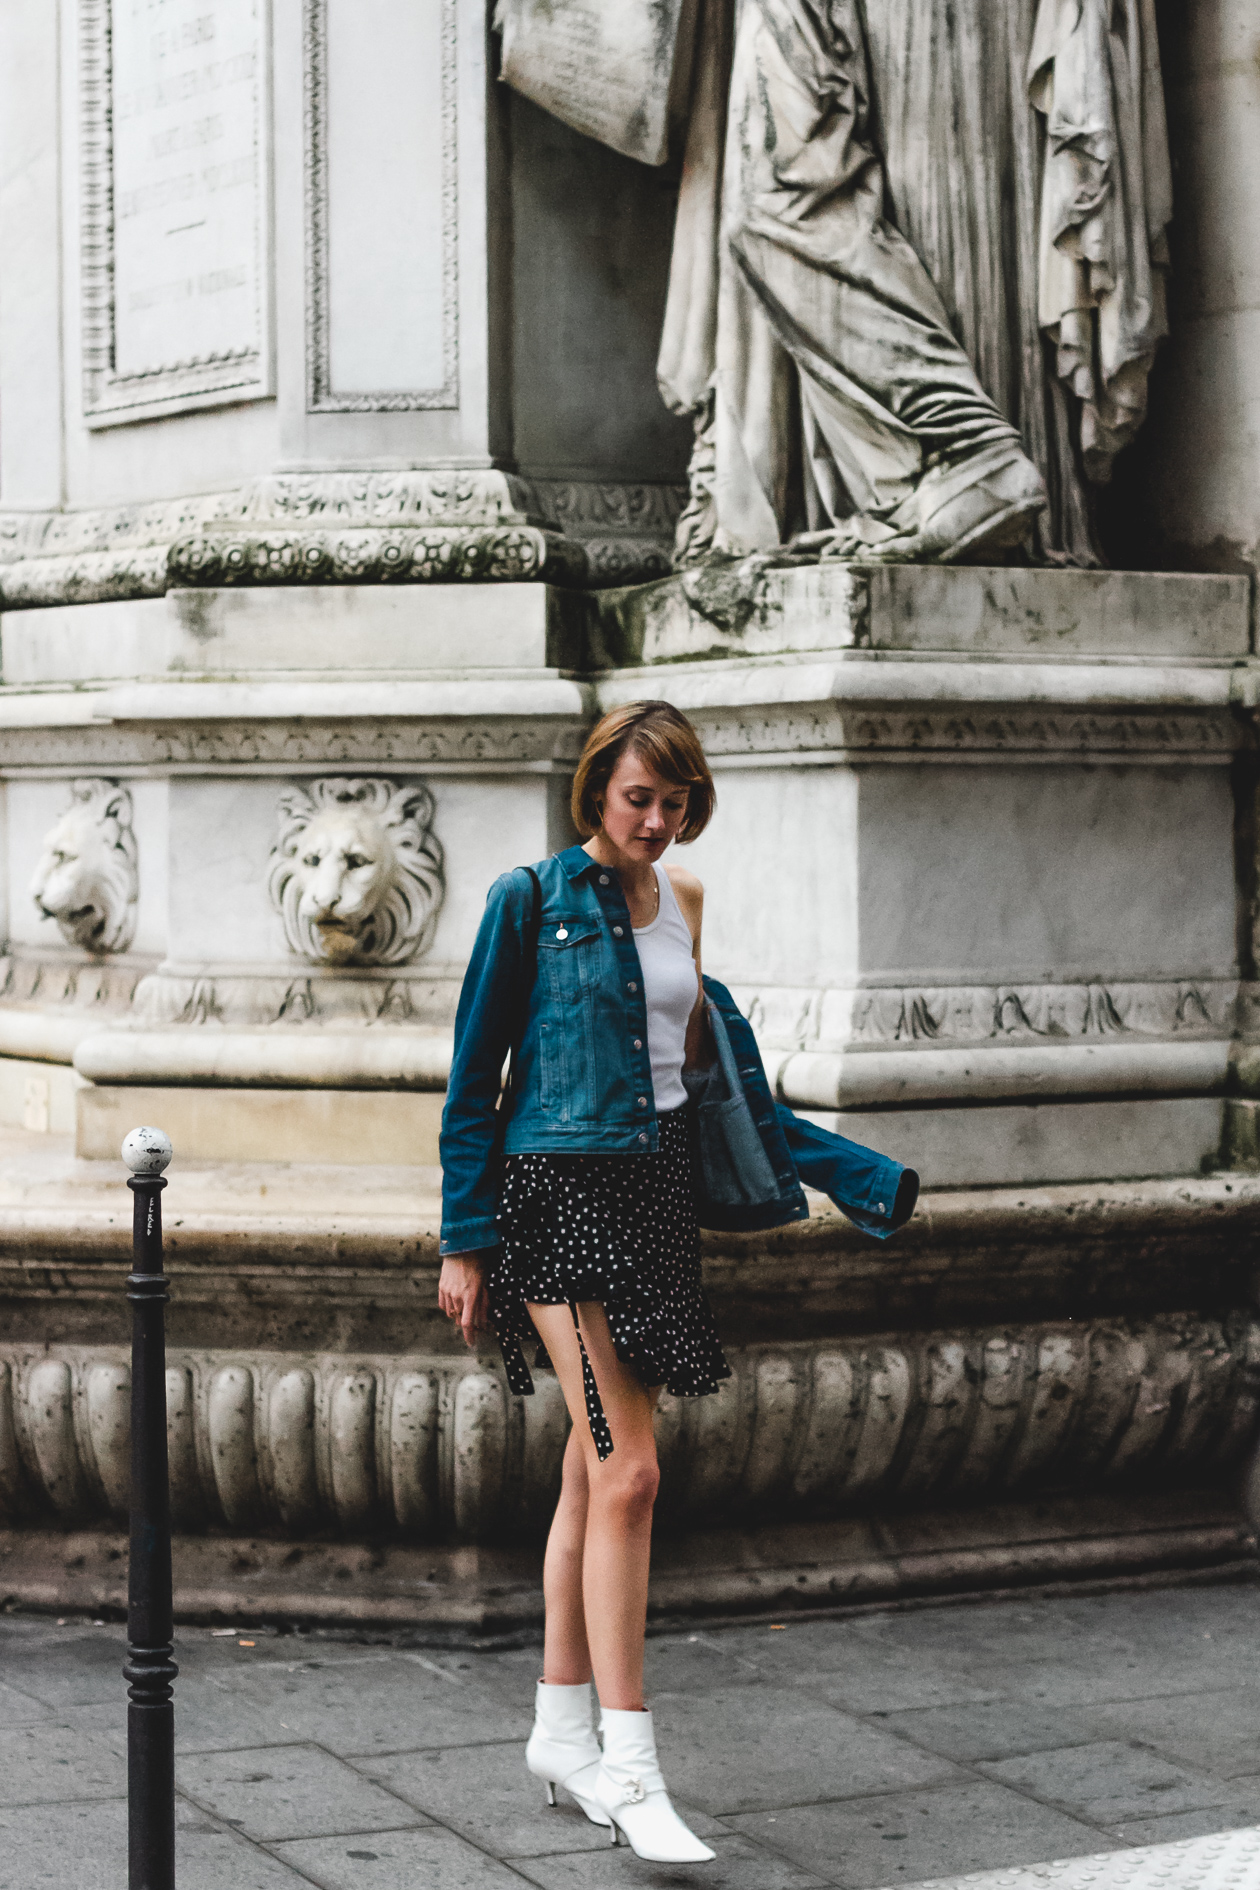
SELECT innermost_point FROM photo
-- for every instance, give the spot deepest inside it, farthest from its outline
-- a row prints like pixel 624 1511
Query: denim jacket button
pixel 632 987
pixel 617 932
pixel 643 1138
pixel 643 1102
pixel 638 1043
pixel 603 879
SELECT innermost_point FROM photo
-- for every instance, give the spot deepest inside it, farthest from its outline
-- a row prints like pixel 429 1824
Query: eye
pixel 310 859
pixel 355 860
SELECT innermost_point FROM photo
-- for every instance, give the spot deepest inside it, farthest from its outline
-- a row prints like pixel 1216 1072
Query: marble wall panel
pixel 1115 868
pixel 221 832
pixel 780 866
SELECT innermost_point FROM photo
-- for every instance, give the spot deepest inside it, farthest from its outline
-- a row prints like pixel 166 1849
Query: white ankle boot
pixel 629 1787
pixel 563 1749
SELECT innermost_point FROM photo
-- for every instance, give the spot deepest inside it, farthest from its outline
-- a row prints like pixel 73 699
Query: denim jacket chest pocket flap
pixel 569 948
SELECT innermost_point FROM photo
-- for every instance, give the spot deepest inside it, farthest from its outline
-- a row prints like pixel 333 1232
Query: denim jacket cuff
pixel 469 1236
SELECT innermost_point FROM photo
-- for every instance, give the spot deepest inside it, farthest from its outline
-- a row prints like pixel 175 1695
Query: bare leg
pixel 566 1656
pixel 620 1494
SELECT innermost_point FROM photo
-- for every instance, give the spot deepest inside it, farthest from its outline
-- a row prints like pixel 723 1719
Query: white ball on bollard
pixel 147 1151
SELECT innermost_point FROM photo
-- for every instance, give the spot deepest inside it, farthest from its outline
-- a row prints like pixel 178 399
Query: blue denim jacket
pixel 583 1077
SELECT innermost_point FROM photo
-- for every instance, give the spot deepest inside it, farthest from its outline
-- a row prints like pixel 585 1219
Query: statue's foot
pixel 993 513
pixel 969 510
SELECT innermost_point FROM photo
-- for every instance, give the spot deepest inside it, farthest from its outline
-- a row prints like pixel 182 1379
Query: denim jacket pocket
pixel 572 955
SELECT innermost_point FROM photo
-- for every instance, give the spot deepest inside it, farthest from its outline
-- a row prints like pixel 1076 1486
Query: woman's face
pixel 642 812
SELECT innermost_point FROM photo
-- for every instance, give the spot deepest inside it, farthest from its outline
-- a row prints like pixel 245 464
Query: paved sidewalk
pixel 877 1750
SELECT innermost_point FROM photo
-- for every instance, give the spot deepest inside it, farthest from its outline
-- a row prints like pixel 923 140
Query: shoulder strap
pixel 529 968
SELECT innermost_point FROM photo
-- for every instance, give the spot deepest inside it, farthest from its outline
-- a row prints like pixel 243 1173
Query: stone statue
pixel 357 871
pixel 87 878
pixel 918 267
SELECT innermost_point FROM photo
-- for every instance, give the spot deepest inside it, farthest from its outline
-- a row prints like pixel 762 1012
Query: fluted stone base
pixel 1028 1385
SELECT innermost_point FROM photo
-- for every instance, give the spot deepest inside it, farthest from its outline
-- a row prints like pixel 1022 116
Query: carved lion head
pixel 356 872
pixel 87 878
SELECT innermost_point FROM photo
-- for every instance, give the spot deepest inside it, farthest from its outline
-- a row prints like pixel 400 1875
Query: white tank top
pixel 669 989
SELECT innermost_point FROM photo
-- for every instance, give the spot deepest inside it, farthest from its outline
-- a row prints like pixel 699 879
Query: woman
pixel 597 1250
pixel 576 1226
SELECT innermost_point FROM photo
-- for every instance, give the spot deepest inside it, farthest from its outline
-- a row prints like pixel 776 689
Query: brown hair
pixel 665 739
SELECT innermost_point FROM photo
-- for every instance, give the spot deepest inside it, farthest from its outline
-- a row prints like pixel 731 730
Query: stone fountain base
pixel 1028 1386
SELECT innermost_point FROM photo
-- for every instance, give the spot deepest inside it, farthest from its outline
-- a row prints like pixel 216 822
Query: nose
pixel 325 890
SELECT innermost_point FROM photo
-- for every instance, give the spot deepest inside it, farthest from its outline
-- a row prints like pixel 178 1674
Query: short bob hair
pixel 666 741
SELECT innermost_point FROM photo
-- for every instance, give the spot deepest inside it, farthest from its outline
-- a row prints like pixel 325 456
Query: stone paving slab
pixel 430 1859
pixel 1109 1782
pixel 1227 1861
pixel 895 1837
pixel 775 1747
pixel 482 1796
pixel 872 1752
pixel 279 1792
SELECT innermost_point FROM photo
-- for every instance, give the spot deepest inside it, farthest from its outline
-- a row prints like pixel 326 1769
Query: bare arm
pixel 690 896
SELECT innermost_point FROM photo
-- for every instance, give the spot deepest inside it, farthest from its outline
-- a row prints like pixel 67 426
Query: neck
pixel 635 875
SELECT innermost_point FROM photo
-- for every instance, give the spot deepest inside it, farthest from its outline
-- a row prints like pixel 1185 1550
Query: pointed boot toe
pixel 630 1790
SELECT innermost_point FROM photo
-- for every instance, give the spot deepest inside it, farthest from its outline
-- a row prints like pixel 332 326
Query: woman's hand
pixel 462 1294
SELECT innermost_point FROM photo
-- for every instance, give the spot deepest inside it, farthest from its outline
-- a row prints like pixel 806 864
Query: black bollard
pixel 150 1668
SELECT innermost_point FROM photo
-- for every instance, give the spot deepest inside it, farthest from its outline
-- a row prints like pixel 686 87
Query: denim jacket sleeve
pixel 489 1005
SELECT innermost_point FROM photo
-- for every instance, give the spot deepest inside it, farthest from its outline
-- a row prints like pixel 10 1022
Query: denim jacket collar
pixel 575 861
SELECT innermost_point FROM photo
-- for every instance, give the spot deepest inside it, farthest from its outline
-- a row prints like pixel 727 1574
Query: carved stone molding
pixel 438 554
pixel 88 877
pixel 432 1447
pixel 462 496
pixel 321 395
pixel 357 873
pixel 343 527
pixel 470 742
pixel 104 986
pixel 352 997
pixel 1104 1011
pixel 929 733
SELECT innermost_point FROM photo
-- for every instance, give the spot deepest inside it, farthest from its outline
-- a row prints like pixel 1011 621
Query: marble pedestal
pixel 974 873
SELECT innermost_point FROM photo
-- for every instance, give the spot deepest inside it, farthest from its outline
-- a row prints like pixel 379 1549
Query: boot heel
pixel 551 1794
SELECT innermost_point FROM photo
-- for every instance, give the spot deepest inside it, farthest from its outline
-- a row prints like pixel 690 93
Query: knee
pixel 628 1488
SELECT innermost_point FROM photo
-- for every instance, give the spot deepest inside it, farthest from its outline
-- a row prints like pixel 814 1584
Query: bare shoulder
pixel 689 892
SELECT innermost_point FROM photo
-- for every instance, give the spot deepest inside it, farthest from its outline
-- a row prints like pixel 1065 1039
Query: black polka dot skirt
pixel 621 1230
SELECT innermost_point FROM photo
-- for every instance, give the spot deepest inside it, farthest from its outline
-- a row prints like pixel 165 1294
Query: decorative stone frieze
pixel 408 527
pixel 354 995
pixel 881 1018
pixel 88 878
pixel 357 871
pixel 46 979
pixel 433 1447
pixel 437 555
pixel 894 734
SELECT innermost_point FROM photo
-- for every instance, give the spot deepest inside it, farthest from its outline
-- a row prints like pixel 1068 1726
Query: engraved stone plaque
pixel 606 67
pixel 175 240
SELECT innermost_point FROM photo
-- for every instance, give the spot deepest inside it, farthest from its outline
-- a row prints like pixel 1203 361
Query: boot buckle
pixel 634 1792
